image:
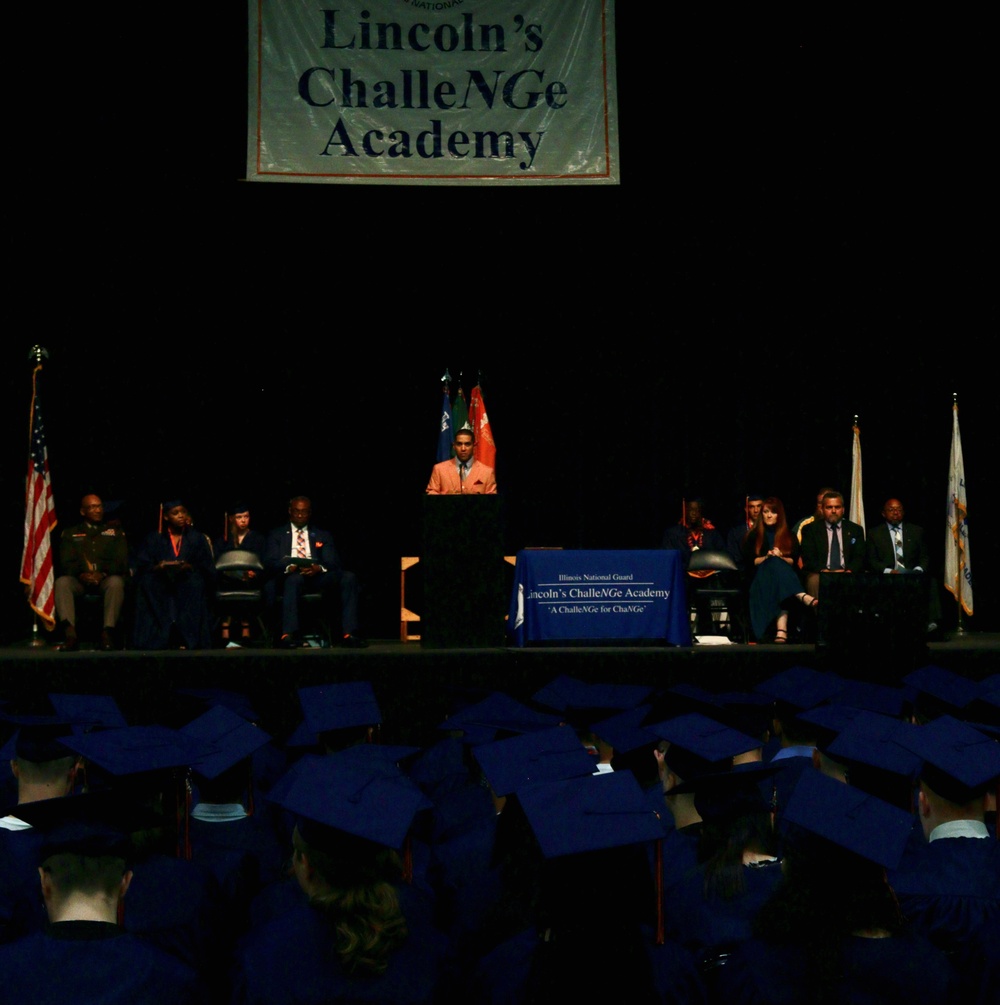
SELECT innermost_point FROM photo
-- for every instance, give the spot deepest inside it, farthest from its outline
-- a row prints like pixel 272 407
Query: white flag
pixel 957 559
pixel 857 513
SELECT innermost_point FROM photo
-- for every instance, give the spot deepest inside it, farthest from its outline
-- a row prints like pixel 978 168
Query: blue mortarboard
pixel 547 755
pixel 497 711
pixel 699 745
pixel 801 687
pixel 566 693
pixel 625 731
pixel 228 739
pixel 872 697
pixel 233 700
pixel 87 710
pixel 874 740
pixel 138 749
pixel 747 711
pixel 725 795
pixel 38 738
pixel 90 825
pixel 850 818
pixel 829 721
pixel 940 690
pixel 382 759
pixel 339 706
pixel 577 815
pixel 960 762
pixel 366 804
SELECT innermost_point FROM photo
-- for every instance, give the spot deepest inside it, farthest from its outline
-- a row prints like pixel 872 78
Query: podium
pixel 871 615
pixel 463 571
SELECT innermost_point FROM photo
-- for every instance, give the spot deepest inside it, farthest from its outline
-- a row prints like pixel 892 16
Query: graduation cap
pixel 212 696
pixel 828 721
pixel 575 815
pixel 567 693
pixel 39 738
pixel 747 711
pixel 940 691
pixel 960 762
pixel 227 737
pixel 699 745
pixel 876 740
pixel 849 818
pixel 726 795
pixel 876 760
pixel 497 711
pixel 91 825
pixel 327 707
pixel 547 755
pixel 328 794
pixel 870 697
pixel 85 711
pixel 801 687
pixel 137 750
pixel 625 731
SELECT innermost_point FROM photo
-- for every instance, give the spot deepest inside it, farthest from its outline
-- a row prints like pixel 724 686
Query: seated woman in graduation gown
pixel 771 553
pixel 362 935
pixel 174 572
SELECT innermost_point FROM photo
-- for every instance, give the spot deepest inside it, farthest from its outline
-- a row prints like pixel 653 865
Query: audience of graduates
pixel 516 857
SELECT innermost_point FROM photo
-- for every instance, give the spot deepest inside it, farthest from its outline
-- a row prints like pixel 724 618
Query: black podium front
pixel 875 621
pixel 462 559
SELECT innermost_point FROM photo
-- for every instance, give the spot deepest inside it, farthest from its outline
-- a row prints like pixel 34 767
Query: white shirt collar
pixel 959 829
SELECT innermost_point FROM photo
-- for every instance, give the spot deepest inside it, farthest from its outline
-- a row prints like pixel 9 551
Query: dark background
pixel 805 231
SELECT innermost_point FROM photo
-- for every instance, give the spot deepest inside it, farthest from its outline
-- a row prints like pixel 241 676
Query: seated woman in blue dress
pixel 771 552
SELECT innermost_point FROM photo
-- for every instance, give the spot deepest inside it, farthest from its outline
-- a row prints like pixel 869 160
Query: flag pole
pixel 958 559
pixel 39 518
pixel 857 510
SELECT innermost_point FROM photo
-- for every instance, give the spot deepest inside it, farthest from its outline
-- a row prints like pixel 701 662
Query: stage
pixel 416 687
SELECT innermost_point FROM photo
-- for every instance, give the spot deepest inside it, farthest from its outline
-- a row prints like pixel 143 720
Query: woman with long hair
pixel 771 551
pixel 359 933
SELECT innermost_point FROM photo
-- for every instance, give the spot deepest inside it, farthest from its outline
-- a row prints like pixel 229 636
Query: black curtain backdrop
pixel 804 231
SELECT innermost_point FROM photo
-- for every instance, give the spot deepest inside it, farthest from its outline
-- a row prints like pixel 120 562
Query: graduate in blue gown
pixel 84 956
pixel 174 576
pixel 362 934
pixel 833 932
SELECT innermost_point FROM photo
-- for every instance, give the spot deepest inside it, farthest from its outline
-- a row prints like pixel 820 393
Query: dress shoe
pixel 107 640
pixel 353 641
pixel 70 641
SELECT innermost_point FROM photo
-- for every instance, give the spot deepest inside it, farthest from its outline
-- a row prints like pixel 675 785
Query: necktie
pixel 300 543
pixel 835 548
pixel 897 540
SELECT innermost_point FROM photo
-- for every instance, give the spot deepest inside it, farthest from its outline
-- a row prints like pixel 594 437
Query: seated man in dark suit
pixel 302 559
pixel 832 544
pixel 896 547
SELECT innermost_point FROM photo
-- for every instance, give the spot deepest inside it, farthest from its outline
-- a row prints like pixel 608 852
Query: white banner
pixel 432 91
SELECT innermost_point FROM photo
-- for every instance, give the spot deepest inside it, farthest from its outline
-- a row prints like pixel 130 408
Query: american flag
pixel 39 518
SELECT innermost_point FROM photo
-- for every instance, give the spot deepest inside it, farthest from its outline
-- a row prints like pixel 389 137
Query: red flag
pixel 39 518
pixel 486 450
